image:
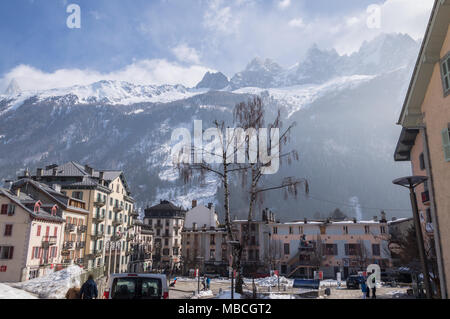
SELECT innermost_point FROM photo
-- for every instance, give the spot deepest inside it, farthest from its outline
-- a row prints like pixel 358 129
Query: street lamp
pixel 199 260
pixel 411 183
pixel 234 244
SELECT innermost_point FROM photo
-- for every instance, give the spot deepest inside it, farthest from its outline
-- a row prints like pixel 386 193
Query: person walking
pixel 89 289
pixel 364 289
pixel 208 283
pixel 374 289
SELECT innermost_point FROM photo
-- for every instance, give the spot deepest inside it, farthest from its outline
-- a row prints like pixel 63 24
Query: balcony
pixel 82 229
pixel 67 261
pixel 116 237
pixel 99 202
pixel 80 245
pixel 48 241
pixel 134 213
pixel 69 228
pixel 159 226
pixel 68 245
pixel 426 198
pixel 117 221
pixel 118 208
pixel 98 218
pixel 131 237
pixel 97 253
pixel 65 252
pixel 97 235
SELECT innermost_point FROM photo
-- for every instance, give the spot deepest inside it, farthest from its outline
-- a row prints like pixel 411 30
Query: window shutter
pixel 446 75
pixel 38 230
pixel 11 252
pixel 446 143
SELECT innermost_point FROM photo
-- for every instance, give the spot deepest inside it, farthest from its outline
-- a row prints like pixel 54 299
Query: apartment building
pixel 258 252
pixel 141 248
pixel 425 138
pixel 204 241
pixel 72 210
pixel 30 237
pixel 108 200
pixel 166 220
pixel 300 248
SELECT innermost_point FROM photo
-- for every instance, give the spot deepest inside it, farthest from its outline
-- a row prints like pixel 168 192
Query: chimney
pixel 194 226
pixel 55 171
pixel 57 187
pixel 306 220
pixel 383 217
pixel 394 219
pixel 210 205
pixel 88 169
pixel 18 192
pixel 194 203
pixel 375 218
pixel 39 173
pixel 355 221
pixel 101 175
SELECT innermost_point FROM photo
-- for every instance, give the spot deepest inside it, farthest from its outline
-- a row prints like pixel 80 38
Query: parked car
pixel 137 286
pixel 354 281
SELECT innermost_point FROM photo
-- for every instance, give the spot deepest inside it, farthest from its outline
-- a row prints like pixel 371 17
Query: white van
pixel 137 286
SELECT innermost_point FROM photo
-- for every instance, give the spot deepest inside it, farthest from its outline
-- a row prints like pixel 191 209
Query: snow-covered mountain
pixel 345 108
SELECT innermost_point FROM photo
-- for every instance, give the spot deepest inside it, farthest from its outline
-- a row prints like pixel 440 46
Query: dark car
pixel 353 282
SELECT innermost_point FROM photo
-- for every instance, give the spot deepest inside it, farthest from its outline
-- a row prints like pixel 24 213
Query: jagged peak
pixel 13 88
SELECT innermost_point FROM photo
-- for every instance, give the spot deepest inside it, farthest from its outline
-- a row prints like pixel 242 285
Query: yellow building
pixel 425 139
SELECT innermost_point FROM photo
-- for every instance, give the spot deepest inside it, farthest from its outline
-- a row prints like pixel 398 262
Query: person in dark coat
pixel 374 289
pixel 89 289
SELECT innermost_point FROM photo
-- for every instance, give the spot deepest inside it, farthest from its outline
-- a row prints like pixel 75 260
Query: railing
pixel 79 261
pixel 98 218
pixel 100 202
pixel 116 237
pixel 49 241
pixel 117 221
pixel 118 208
pixel 81 244
pixel 69 228
pixel 82 228
pixel 98 234
pixel 68 245
pixel 67 261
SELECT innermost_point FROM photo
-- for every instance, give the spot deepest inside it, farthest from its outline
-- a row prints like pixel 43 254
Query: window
pixel 78 195
pixel 382 230
pixel 6 252
pixel 446 143
pixel 8 230
pixel 8 209
pixel 4 209
pixel 166 252
pixel 331 249
pixel 275 230
pixel 286 249
pixel 376 249
pixel 429 219
pixel 346 230
pixel 367 229
pixel 352 249
pixel 445 70
pixel 300 229
pixel 291 230
pixel 38 233
pixel 422 162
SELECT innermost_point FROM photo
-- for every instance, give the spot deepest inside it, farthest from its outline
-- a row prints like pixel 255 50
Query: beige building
pixel 108 200
pixel 141 260
pixel 425 139
pixel 204 241
pixel 349 246
pixel 166 220
pixel 30 237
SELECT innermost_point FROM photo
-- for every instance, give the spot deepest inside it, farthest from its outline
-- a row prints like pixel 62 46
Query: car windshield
pixel 136 288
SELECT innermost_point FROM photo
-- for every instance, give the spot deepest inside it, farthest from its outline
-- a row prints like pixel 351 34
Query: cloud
pixel 145 72
pixel 283 4
pixel 186 54
pixel 219 18
pixel 296 23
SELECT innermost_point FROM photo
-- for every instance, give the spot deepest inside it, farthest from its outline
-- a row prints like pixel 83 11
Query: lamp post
pixel 411 183
pixel 199 260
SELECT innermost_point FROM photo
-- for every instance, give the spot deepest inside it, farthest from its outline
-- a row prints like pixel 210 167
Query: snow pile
pixel 7 292
pixel 273 281
pixel 203 294
pixel 279 296
pixel 54 285
pixel 227 295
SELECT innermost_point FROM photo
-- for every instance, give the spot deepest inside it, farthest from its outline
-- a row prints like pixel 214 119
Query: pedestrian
pixel 364 289
pixel 89 289
pixel 374 289
pixel 204 283
pixel 208 283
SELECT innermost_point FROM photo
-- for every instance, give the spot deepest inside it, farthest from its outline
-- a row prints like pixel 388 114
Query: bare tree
pixel 250 118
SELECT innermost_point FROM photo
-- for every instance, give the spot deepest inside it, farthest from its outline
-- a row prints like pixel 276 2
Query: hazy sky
pixel 177 41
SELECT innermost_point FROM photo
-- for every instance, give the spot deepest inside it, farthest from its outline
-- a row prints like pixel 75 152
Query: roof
pixel 41 214
pixel 85 176
pixel 411 114
pixel 405 144
pixel 164 209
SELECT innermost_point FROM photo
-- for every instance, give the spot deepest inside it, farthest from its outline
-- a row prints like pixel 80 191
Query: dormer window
pixel 445 70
